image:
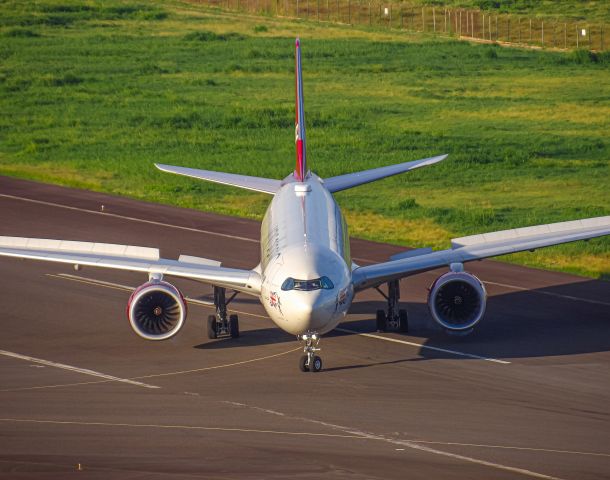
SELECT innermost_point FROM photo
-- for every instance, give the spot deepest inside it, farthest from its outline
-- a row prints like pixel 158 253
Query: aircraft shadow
pixel 559 320
pixel 535 323
pixel 250 338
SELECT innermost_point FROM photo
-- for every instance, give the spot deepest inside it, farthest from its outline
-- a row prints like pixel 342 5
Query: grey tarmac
pixel 527 395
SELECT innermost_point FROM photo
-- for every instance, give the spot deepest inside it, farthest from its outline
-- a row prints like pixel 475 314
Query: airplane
pixel 306 279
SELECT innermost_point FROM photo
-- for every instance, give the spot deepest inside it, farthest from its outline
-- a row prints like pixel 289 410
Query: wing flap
pixel 258 184
pixel 477 247
pixel 131 258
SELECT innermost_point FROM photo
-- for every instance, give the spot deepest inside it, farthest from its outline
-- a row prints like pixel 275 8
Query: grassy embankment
pixel 92 95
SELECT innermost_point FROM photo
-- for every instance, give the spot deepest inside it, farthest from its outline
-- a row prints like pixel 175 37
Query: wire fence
pixel 469 24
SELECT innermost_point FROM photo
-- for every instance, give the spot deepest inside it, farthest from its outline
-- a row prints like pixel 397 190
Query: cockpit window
pixel 307 285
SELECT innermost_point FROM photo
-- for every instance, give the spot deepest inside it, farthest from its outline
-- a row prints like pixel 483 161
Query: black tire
pixel 403 321
pixel 317 364
pixel 212 332
pixel 381 321
pixel 303 364
pixel 234 326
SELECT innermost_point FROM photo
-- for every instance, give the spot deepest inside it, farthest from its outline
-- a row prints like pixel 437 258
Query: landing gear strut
pixel 221 324
pixel 310 362
pixel 396 319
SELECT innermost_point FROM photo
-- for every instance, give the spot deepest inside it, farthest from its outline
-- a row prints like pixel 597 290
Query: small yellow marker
pixel 79 467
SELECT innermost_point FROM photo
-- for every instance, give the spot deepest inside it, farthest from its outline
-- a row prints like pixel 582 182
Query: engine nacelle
pixel 156 310
pixel 457 301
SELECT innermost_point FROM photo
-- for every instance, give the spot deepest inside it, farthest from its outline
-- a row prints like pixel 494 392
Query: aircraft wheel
pixel 403 321
pixel 303 364
pixel 234 326
pixel 317 364
pixel 381 321
pixel 212 327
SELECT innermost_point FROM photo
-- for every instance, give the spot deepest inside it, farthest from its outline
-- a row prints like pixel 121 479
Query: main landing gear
pixel 310 362
pixel 221 324
pixel 396 319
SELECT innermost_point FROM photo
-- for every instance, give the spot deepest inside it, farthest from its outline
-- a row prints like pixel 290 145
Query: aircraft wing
pixel 349 180
pixel 132 258
pixel 476 247
pixel 258 184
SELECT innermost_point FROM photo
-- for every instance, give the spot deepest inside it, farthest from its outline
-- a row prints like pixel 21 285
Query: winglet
pixel 301 150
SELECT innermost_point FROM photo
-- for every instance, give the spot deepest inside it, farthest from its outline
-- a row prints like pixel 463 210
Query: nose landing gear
pixel 310 362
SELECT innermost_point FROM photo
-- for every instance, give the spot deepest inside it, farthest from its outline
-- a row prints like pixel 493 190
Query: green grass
pixel 92 94
pixel 590 10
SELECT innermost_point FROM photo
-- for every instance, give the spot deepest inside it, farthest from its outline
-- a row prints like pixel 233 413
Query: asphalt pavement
pixel 527 395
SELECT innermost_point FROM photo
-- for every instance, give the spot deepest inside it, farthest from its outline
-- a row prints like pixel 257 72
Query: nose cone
pixel 309 311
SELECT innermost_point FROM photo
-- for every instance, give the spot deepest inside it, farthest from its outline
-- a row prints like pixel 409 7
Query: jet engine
pixel 156 310
pixel 457 301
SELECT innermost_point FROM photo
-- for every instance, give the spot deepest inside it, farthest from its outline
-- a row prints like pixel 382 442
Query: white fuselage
pixel 305 259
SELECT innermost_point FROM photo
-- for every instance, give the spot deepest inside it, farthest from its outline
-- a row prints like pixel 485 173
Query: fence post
pixel 601 38
pixel 589 30
pixel 508 29
pixel 445 20
pixel 489 26
pixel 530 41
pixel 449 23
pixel 349 12
pixel 577 36
pixel 401 21
pixel 328 10
pixel 565 36
pixel 467 24
pixel 369 14
pixel 434 19
pixel 423 19
pixel 390 23
pixel 483 32
pixel 519 29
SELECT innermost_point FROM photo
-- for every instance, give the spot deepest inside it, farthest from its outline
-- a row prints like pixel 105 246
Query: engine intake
pixel 156 310
pixel 457 301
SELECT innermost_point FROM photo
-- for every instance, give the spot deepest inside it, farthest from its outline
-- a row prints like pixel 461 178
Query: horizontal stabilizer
pixel 343 182
pixel 258 184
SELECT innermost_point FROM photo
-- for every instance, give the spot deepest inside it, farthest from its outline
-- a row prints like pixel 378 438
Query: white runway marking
pixel 252 240
pixel 508 447
pixel 427 347
pixel 84 371
pixel 551 294
pixel 133 219
pixel 408 444
pixel 181 427
pixel 167 374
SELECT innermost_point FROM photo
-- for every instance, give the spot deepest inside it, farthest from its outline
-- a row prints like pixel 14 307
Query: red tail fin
pixel 301 167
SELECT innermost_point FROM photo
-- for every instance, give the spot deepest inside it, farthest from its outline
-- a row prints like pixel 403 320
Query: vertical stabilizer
pixel 301 150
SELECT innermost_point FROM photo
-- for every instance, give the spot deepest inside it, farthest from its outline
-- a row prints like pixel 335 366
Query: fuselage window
pixel 322 283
